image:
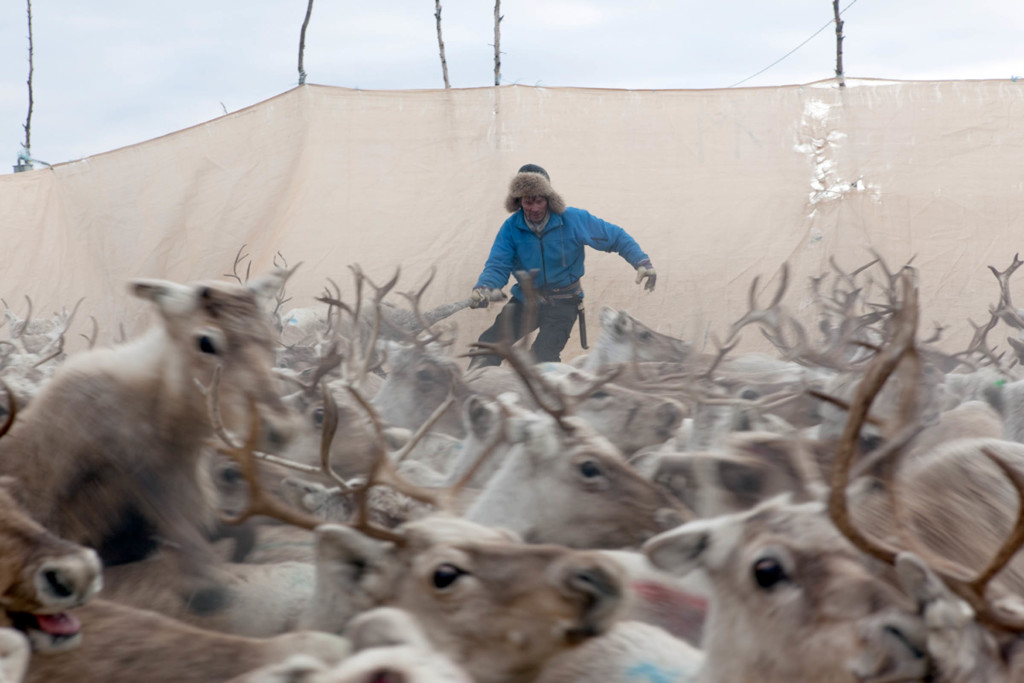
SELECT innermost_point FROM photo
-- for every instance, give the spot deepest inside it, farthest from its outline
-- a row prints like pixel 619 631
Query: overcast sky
pixel 110 73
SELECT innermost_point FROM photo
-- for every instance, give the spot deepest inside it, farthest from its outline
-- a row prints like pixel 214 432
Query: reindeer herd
pixel 324 494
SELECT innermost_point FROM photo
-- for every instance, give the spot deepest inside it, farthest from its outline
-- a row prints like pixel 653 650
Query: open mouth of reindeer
pixel 48 632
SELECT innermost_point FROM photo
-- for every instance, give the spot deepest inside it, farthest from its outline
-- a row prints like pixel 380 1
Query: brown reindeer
pixel 41 578
pixel 108 453
pixel 498 607
pixel 45 583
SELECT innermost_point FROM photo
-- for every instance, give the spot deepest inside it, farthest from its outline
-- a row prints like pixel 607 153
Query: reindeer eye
pixel 589 469
pixel 768 572
pixel 206 345
pixel 645 335
pixel 318 417
pixel 599 394
pixel 424 375
pixel 445 575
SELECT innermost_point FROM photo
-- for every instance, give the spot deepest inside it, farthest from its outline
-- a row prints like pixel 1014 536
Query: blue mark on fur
pixel 652 673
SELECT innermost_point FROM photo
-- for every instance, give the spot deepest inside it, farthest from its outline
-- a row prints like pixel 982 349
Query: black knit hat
pixel 532 181
pixel 534 168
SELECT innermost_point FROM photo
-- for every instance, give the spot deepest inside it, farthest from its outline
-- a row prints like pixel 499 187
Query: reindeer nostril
pixel 55 580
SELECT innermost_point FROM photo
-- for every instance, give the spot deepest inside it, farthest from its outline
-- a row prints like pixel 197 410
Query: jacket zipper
pixel 543 263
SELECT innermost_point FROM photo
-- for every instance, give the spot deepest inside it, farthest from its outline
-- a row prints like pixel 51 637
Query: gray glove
pixel 645 271
pixel 481 295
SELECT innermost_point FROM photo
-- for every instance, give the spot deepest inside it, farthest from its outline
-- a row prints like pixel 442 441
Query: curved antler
pixel 901 349
pixel 770 315
pixel 877 372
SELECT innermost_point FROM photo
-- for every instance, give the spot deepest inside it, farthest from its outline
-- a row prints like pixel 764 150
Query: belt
pixel 571 291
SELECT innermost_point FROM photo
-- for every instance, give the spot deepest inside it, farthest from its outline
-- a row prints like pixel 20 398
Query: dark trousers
pixel 554 319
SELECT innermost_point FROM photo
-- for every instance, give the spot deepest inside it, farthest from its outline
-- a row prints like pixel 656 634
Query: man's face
pixel 534 208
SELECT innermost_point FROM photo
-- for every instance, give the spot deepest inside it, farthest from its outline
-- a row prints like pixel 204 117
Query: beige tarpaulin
pixel 718 186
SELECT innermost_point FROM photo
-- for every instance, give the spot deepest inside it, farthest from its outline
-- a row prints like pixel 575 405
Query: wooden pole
pixel 497 42
pixel 28 119
pixel 440 43
pixel 839 44
pixel 302 42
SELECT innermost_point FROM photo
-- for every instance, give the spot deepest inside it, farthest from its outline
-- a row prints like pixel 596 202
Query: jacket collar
pixel 554 221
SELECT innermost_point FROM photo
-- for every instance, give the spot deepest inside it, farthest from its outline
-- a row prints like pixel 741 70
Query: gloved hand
pixel 644 270
pixel 481 295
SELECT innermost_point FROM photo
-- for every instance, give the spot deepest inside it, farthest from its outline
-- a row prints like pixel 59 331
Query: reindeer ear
pixel 894 647
pixel 919 581
pixel 538 434
pixel 680 550
pixel 479 416
pixel 607 316
pixel 170 297
pixel 622 323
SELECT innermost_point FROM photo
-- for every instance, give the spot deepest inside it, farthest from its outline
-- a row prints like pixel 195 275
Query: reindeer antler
pixel 239 257
pixel 212 394
pixel 877 372
pixel 723 351
pixel 60 335
pixel 769 315
pixel 260 501
pixel 901 349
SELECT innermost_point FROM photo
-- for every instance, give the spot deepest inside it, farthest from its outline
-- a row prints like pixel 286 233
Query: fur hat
pixel 533 181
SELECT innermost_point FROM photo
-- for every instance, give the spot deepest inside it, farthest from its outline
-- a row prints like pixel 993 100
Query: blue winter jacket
pixel 557 253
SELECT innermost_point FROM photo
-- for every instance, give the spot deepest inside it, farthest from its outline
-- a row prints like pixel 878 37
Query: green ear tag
pixel 1000 382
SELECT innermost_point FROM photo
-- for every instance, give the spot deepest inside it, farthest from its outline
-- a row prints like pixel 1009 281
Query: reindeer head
pixel 420 379
pixel 624 339
pixel 497 606
pixel 788 591
pixel 215 325
pixel 561 482
pixel 42 576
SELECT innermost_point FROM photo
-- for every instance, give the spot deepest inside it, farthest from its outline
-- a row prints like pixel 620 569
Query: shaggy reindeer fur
pixel 108 453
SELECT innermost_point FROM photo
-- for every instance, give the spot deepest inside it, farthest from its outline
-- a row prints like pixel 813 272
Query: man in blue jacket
pixel 545 237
